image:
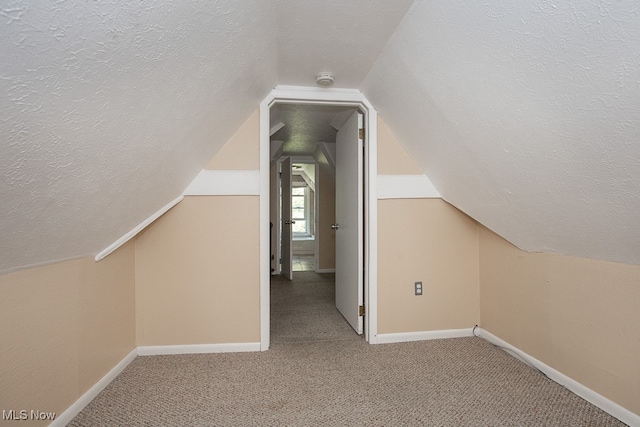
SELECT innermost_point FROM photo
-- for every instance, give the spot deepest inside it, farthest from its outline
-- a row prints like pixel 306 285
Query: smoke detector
pixel 325 79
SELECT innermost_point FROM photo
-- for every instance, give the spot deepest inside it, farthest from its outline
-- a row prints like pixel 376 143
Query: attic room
pixel 501 170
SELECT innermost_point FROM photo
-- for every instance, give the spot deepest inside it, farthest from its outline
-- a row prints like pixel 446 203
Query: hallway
pixel 303 310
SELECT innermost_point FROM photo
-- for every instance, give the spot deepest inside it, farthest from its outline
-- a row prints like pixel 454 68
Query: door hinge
pixel 362 310
pixel 361 134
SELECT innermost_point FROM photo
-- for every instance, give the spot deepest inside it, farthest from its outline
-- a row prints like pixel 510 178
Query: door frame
pixel 277 226
pixel 318 96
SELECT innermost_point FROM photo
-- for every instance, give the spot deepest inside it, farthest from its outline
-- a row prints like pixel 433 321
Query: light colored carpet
pixel 338 382
pixel 304 310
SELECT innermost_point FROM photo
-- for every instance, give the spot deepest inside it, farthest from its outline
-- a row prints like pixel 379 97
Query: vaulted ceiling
pixel 525 115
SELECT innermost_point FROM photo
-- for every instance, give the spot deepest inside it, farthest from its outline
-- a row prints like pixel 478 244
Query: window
pixel 300 210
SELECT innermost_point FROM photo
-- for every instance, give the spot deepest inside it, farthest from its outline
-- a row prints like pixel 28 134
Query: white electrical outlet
pixel 418 288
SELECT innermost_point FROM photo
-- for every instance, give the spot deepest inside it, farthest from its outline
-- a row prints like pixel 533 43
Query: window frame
pixel 307 214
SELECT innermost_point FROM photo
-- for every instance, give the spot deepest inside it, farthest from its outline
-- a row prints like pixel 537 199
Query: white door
pixel 285 254
pixel 349 222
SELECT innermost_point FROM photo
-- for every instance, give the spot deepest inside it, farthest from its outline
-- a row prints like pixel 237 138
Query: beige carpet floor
pixel 319 373
pixel 304 310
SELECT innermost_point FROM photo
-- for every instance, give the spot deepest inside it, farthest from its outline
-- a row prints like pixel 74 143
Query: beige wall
pixel 326 216
pixel 579 316
pixel 423 240
pixel 426 240
pixel 197 266
pixel 197 273
pixel 393 159
pixel 242 151
pixel 64 326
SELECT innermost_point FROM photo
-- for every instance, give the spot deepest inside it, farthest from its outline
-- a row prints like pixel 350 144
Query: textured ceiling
pixel 343 37
pixel 109 109
pixel 306 125
pixel 525 114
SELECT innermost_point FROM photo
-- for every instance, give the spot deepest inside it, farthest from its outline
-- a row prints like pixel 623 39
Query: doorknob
pixel 289 221
pixel 334 226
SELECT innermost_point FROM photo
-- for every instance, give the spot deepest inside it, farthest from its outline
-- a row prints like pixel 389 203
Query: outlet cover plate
pixel 418 288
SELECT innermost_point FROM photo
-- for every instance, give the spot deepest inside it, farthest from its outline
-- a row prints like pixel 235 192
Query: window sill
pixel 304 237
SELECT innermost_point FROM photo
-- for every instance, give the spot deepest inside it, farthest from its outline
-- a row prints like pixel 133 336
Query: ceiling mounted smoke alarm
pixel 325 79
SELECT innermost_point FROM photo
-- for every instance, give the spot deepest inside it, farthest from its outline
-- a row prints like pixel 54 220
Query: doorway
pixel 304 239
pixel 348 101
pixel 305 208
pixel 302 130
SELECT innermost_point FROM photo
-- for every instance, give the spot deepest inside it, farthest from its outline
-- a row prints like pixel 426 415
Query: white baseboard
pixel 423 336
pixel 586 393
pixel 325 270
pixel 73 410
pixel 160 350
pixel 583 391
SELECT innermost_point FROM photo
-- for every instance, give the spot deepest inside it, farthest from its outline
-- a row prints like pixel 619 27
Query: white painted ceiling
pixel 343 37
pixel 108 109
pixel 524 114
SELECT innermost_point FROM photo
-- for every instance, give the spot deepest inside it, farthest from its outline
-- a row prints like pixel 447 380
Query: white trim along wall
pixel 225 183
pixel 406 187
pixel 206 183
pixel 137 229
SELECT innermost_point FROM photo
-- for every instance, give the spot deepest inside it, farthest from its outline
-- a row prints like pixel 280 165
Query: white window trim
pixel 306 235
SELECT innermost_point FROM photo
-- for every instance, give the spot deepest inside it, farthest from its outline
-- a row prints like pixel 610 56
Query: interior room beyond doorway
pixel 305 134
pixel 303 207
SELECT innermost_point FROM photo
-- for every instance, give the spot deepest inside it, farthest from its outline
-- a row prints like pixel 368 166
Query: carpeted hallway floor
pixel 304 310
pixel 318 372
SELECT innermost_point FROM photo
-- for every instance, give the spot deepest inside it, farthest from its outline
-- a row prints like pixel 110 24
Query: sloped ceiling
pixel 524 115
pixel 306 125
pixel 110 108
pixel 343 37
